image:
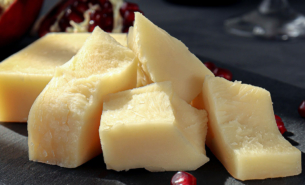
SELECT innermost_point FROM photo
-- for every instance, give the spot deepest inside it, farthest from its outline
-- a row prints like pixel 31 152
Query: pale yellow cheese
pixel 64 119
pixel 152 128
pixel 243 133
pixel 24 75
pixel 165 58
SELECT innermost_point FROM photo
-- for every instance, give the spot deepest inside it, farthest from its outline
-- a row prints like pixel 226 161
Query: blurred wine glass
pixel 273 19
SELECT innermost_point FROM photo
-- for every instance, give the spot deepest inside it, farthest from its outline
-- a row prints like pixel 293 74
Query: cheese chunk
pixel 64 119
pixel 243 133
pixel 24 75
pixel 152 128
pixel 165 58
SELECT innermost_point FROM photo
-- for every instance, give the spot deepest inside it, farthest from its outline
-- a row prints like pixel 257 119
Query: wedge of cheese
pixel 152 128
pixel 24 75
pixel 243 133
pixel 164 58
pixel 64 119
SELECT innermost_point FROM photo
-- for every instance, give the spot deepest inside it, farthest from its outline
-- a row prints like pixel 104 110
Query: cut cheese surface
pixel 165 58
pixel 24 74
pixel 64 119
pixel 152 128
pixel 243 133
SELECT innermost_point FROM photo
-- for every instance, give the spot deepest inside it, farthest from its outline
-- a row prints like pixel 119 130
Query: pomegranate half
pixel 84 15
pixel 16 17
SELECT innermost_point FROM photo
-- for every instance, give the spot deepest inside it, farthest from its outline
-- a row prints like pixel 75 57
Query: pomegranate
pixel 16 17
pixel 210 65
pixel 280 124
pixel 223 73
pixel 220 72
pixel 85 15
pixel 301 109
pixel 183 178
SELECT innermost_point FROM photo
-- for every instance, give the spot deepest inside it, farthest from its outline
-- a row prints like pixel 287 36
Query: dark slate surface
pixel 276 66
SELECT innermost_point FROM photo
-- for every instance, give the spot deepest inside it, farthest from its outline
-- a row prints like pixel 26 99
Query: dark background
pixel 275 65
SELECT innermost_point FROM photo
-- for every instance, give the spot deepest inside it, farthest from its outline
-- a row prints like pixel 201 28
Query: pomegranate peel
pixel 13 22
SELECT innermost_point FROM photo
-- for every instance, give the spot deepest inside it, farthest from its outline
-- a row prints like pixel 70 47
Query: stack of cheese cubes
pixel 133 103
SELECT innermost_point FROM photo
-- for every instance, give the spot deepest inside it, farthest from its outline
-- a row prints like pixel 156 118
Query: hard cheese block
pixel 164 58
pixel 24 75
pixel 243 133
pixel 152 128
pixel 64 119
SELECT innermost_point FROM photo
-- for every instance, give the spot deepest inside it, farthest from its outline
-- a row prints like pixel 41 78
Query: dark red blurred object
pixel 210 65
pixel 17 19
pixel 223 73
pixel 183 178
pixel 277 118
pixel 220 72
pixel 280 124
pixel 301 109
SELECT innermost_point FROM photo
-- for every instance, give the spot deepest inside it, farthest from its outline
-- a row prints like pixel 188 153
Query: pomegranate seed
pixel 108 24
pixel 73 15
pixel 277 118
pixel 125 29
pixel 301 109
pixel 107 7
pixel 128 18
pixel 128 6
pixel 91 27
pixel 223 73
pixel 80 6
pixel 183 178
pixel 210 65
pixel 96 16
pixel 280 124
pixel 93 2
pixel 102 1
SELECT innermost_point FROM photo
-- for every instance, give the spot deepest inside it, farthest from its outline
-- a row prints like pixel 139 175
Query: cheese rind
pixel 165 58
pixel 152 128
pixel 25 74
pixel 243 133
pixel 64 119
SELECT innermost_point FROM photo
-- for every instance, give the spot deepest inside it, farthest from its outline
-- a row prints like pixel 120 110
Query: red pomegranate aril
pixel 93 2
pixel 102 1
pixel 277 118
pixel 108 24
pixel 301 109
pixel 210 65
pixel 223 73
pixel 128 6
pixel 128 18
pixel 107 5
pixel 183 178
pixel 91 26
pixel 125 29
pixel 73 15
pixel 96 16
pixel 281 126
pixel 80 6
